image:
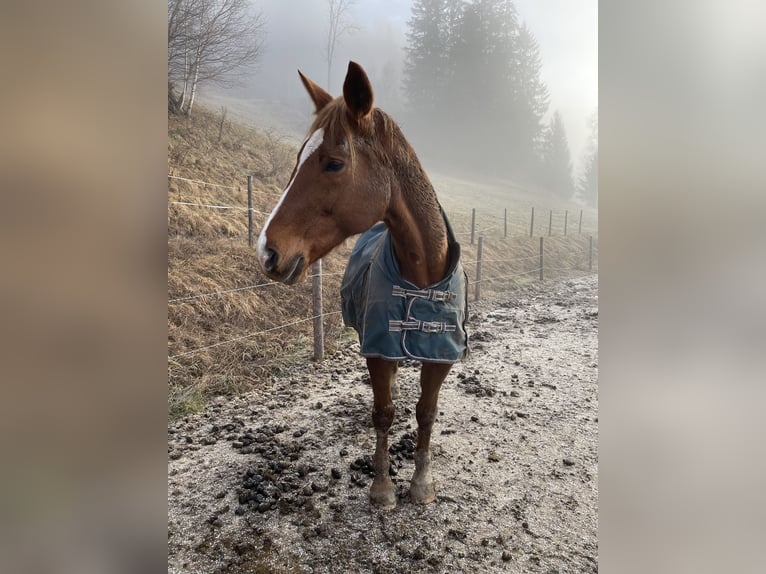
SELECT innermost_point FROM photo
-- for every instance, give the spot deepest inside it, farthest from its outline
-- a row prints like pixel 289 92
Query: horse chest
pixel 395 319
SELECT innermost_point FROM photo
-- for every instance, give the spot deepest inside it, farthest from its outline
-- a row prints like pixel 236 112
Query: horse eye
pixel 333 165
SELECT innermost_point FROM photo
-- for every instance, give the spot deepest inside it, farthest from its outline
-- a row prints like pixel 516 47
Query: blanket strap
pixel 429 294
pixel 417 325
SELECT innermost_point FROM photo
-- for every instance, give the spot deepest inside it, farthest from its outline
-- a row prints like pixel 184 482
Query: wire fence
pixel 236 207
pixel 497 232
pixel 237 289
pixel 220 186
pixel 251 335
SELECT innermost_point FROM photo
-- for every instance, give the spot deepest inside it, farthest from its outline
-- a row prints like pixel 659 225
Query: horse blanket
pixel 394 318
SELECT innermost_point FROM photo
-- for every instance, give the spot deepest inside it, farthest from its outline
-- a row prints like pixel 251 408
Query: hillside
pixel 264 114
pixel 208 254
pixel 229 327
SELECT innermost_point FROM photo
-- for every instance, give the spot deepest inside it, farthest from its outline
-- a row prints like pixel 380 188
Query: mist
pixel 296 35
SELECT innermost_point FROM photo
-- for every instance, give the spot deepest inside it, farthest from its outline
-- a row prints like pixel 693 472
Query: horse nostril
pixel 271 259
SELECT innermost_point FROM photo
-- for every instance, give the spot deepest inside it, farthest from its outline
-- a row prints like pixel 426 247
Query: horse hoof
pixel 385 500
pixel 423 493
pixel 383 495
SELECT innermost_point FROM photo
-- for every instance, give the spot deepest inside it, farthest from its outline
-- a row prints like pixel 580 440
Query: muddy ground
pixel 277 480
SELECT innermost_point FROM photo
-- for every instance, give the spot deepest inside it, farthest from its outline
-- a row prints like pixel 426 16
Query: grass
pixel 227 343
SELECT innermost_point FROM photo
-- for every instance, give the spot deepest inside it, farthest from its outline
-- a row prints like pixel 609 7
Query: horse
pixel 355 173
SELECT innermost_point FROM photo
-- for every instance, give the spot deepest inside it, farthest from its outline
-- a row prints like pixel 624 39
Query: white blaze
pixel 309 147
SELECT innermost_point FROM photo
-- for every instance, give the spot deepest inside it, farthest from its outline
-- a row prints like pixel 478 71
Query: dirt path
pixel 276 481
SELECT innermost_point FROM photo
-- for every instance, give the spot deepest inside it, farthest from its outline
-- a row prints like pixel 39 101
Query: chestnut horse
pixel 356 169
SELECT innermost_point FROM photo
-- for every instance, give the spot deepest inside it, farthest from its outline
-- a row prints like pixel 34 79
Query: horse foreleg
pixel 382 375
pixel 432 375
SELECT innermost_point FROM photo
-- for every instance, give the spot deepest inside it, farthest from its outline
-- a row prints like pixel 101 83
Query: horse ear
pixel 318 95
pixel 357 91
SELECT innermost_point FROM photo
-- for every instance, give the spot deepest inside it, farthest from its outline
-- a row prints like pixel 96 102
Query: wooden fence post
pixel 590 254
pixel 566 216
pixel 477 293
pixel 550 223
pixel 532 224
pixel 316 299
pixel 579 230
pixel 505 223
pixel 473 223
pixel 541 258
pixel 250 210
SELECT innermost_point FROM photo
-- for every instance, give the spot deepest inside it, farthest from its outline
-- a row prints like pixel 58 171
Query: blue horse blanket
pixel 394 318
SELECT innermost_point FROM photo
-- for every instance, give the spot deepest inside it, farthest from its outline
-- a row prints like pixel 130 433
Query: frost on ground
pixel 277 480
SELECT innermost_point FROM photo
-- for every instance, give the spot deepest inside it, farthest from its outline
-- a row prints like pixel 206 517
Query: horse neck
pixel 416 224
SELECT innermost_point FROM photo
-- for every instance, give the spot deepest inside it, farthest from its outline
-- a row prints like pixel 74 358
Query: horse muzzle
pixel 289 273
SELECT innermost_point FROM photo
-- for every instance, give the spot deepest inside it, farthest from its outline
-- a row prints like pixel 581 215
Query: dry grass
pixel 216 342
pixel 198 267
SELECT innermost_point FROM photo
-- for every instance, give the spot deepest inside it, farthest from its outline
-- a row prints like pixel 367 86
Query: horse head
pixel 340 185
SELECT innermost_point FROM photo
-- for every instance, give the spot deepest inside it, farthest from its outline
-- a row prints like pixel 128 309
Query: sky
pixel 566 30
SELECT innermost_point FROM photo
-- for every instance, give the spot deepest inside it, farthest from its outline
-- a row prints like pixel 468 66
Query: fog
pixel 296 37
pixel 567 32
pixel 296 32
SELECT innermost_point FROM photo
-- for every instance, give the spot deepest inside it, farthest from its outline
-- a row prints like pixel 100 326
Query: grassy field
pixel 225 319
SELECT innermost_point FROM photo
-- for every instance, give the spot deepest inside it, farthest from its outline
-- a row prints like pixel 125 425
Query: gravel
pixel 276 480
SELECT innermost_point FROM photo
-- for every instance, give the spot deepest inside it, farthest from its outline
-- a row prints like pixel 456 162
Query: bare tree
pixel 208 40
pixel 182 15
pixel 338 25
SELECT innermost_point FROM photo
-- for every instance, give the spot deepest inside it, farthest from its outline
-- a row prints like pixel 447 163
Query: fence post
pixel 550 223
pixel 541 258
pixel 579 230
pixel 566 216
pixel 473 223
pixel 250 210
pixel 505 223
pixel 316 299
pixel 532 224
pixel 477 293
pixel 590 254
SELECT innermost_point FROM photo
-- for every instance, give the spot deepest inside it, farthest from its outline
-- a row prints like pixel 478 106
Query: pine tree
pixel 501 28
pixel 529 103
pixel 498 69
pixel 472 78
pixel 466 94
pixel 495 88
pixel 556 161
pixel 480 61
pixel 425 55
pixel 425 77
